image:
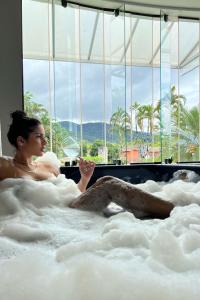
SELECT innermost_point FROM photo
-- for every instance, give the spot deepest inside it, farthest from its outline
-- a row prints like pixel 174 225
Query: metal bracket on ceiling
pixel 116 12
pixel 64 3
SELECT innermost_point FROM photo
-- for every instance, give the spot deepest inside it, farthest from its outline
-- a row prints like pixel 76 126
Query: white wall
pixel 11 78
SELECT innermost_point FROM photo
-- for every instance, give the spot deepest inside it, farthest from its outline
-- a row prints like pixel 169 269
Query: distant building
pixel 132 154
pixel 135 154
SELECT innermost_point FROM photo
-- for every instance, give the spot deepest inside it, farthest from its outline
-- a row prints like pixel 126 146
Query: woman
pixel 27 135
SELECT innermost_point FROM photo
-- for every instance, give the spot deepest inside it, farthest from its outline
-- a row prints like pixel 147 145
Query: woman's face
pixel 36 142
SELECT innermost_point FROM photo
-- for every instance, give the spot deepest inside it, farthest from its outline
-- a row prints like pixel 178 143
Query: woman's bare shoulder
pixel 5 161
pixel 6 169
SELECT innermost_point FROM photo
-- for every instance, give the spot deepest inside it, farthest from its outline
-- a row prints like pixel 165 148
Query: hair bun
pixel 18 115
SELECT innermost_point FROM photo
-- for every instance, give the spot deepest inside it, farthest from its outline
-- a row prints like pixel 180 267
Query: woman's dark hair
pixel 22 126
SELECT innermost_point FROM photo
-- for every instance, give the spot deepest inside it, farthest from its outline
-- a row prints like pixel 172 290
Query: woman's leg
pixel 110 189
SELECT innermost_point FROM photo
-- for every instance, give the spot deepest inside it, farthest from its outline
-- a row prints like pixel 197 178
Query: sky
pixel 99 89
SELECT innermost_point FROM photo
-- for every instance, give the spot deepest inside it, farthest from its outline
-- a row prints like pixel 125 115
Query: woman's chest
pixel 37 173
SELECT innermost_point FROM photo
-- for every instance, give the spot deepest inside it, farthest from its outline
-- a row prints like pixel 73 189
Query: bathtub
pixel 136 173
pixel 51 251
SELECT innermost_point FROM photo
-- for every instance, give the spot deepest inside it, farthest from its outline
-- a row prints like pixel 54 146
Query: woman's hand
pixel 86 169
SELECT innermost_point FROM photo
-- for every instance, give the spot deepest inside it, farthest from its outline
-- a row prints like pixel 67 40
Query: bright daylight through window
pixel 112 88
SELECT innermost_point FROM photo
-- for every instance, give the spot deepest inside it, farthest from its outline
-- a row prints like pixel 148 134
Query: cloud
pixel 74 85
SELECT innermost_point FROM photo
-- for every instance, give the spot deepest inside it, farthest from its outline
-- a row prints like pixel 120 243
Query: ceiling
pixel 183 8
pixel 89 35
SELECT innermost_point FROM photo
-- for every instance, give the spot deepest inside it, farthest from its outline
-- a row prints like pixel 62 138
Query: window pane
pixel 189 91
pixel 99 82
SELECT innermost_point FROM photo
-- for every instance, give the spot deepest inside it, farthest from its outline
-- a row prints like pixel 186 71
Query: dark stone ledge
pixel 136 173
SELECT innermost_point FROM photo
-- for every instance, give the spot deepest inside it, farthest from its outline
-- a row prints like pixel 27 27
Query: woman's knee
pixel 104 179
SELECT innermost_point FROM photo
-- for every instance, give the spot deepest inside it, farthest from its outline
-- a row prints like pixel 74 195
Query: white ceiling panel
pixel 183 8
pixel 92 35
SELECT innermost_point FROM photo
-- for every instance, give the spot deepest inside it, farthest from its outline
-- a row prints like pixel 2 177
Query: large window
pixel 110 88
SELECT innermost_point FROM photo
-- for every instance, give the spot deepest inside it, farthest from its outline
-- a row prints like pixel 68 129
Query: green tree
pixel 141 117
pixel 120 124
pixel 113 150
pixel 35 110
pixel 189 133
pixel 177 103
pixel 149 114
pixel 94 147
pixel 190 123
pixel 85 146
pixel 143 112
pixel 59 134
pixel 135 107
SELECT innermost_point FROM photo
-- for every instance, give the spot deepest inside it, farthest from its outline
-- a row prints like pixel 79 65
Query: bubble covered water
pixel 50 251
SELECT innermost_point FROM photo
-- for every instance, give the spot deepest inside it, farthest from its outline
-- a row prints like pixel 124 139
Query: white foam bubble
pixel 24 233
pixel 50 251
pixel 51 158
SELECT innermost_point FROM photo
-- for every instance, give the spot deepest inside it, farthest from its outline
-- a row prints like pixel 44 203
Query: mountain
pixel 91 131
pixel 95 131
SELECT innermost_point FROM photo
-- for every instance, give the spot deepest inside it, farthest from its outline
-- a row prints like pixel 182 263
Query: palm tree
pixel 149 114
pixel 141 117
pixel 120 123
pixel 177 104
pixel 33 109
pixel 134 107
pixel 189 130
pixel 190 122
pixel 176 100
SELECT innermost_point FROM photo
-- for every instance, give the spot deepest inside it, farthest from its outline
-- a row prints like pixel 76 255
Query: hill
pixel 95 131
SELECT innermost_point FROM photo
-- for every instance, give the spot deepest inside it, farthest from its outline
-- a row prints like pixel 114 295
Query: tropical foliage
pixel 136 127
pixel 59 134
pixel 120 124
pixel 113 150
pixel 147 118
pixel 189 132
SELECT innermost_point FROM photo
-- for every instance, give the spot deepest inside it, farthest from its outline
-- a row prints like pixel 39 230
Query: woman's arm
pixel 86 169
